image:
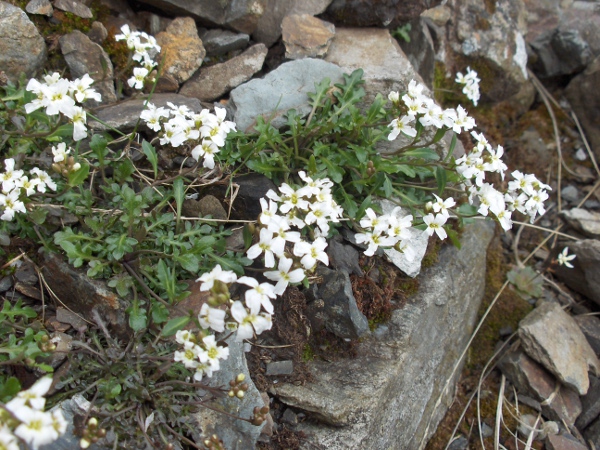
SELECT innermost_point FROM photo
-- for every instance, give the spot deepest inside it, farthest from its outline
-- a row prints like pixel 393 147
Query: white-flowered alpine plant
pixel 23 419
pixel 144 48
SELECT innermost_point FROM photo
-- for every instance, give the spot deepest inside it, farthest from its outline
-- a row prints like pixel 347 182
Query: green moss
pixel 308 354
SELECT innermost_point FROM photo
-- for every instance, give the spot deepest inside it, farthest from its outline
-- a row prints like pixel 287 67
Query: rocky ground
pixel 369 356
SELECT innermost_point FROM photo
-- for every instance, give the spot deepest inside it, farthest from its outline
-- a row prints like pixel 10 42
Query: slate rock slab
pixel 585 276
pixel 552 337
pixel 584 221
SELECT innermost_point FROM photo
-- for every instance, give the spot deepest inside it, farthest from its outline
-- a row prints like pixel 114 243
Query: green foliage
pixel 527 282
pixel 402 32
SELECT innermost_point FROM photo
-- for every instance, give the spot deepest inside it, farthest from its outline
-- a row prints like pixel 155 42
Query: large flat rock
pixel 387 397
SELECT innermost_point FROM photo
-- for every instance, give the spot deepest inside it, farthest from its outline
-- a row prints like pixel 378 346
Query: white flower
pixel 207 149
pixel 57 98
pixel 284 275
pixel 36 427
pixel 152 115
pixel 212 352
pixel 311 252
pixel 435 224
pixel 249 321
pixel 11 204
pixel 212 318
pixel 44 180
pixel 183 336
pixel 564 259
pixel 78 118
pixel 374 240
pixel 201 370
pixel 29 185
pixel 394 97
pixel 60 152
pixel 462 120
pixel 137 80
pixel 8 441
pixel 270 246
pixel 441 206
pixel 189 356
pixel 58 422
pixel 291 199
pixel 31 398
pixel 10 176
pixel 401 125
pixel 260 294
pixel 268 211
pixel 208 279
pixel 80 89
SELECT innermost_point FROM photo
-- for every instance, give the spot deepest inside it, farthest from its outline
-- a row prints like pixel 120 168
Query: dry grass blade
pixel 499 413
pixel 585 143
pixel 529 442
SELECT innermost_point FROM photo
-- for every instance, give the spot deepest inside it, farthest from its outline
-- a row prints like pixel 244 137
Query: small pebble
pixel 581 155
pixel 570 193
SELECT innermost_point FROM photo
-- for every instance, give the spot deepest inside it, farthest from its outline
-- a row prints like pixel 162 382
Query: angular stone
pixel 85 296
pixel 343 256
pixel 590 405
pixel 280 368
pixel 585 277
pixel 533 380
pixel 564 442
pixel 22 48
pixel 182 51
pixel 253 187
pixel 333 305
pixel 584 98
pixel 211 206
pixel 240 15
pixel 590 325
pixel 560 52
pixel 268 30
pixel 84 56
pixel 552 337
pixel 386 397
pixel 386 67
pixel 236 434
pixel 124 116
pixel 98 33
pixel 215 81
pixel 42 7
pixel 380 13
pixel 306 36
pixel 74 7
pixel 220 42
pixel 279 91
pixel 420 50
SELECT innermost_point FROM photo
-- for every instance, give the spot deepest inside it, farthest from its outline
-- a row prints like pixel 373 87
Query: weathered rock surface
pixel 343 256
pixel 74 7
pixel 22 48
pixel 268 30
pixel 236 434
pixel 387 397
pixel 306 36
pixel 219 42
pixel 533 380
pixel 386 67
pixel 379 13
pixel 124 116
pixel 420 50
pixel 590 405
pixel 489 38
pixel 43 7
pixel 584 98
pixel 333 306
pixel 560 52
pixel 279 91
pixel 585 277
pixel 552 337
pixel 563 442
pixel 240 15
pixel 584 221
pixel 253 187
pixel 181 49
pixel 215 81
pixel 590 325
pixel 85 296
pixel 84 56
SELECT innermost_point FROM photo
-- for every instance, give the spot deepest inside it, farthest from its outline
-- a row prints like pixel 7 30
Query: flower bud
pixel 241 377
pixel 84 443
pixel 239 394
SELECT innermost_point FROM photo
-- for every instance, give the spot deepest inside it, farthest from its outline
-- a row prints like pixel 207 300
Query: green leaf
pixel 174 325
pixel 160 313
pixel 99 144
pixel 9 388
pixel 312 165
pixel 467 210
pixel 248 236
pixel 151 154
pixel 527 282
pixel 38 215
pixel 78 177
pixel 452 146
pixel 453 235
pixel 335 172
pixel 189 262
pixel 178 194
pixel 423 153
pixel 440 177
pixel 61 132
pixel 137 317
pixel 387 187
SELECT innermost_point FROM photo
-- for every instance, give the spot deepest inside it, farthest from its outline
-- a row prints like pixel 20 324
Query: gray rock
pixel 590 325
pixel 280 368
pixel 240 15
pixel 268 30
pixel 587 222
pixel 22 48
pixel 74 7
pixel 584 98
pixel 236 434
pixel 343 256
pixel 570 194
pixel 253 187
pixel 403 371
pixel 585 277
pixel 125 115
pixel 305 36
pixel 215 81
pixel 281 90
pixel 496 47
pixel 84 56
pixel 563 442
pixel 385 65
pixel 220 42
pixel 181 51
pixel 43 7
pixel 290 417
pixel 412 268
pixel 543 16
pixel 381 13
pixel 26 274
pixel 590 405
pixel 333 305
pixel 420 50
pixel 5 283
pixel 560 52
pixel 211 206
pixel 552 337
pixel 460 443
pixel 592 433
pixel 585 18
pixel 533 380
pixel 98 33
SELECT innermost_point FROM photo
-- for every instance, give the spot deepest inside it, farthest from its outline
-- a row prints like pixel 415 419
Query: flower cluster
pixel 200 352
pixel 144 48
pixel 423 109
pixel 471 82
pixel 178 125
pixel 24 418
pixel 15 184
pixel 60 96
pixel 388 230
